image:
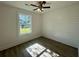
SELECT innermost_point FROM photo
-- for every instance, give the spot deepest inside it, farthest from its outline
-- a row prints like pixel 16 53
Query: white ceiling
pixel 53 4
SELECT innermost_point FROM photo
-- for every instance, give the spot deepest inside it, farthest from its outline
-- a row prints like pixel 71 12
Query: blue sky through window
pixel 23 19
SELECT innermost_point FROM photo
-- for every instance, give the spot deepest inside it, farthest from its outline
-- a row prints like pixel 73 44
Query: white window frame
pixel 19 24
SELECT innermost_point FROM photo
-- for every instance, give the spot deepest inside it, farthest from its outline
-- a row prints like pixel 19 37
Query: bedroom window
pixel 25 24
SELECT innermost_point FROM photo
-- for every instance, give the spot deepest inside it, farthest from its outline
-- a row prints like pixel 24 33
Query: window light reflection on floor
pixel 45 54
pixel 36 49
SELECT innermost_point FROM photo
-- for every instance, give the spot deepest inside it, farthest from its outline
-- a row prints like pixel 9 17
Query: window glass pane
pixel 25 23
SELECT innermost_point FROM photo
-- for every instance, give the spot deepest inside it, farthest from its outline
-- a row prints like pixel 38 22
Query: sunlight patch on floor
pixel 37 49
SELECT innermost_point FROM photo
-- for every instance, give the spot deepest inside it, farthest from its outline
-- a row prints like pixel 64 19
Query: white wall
pixel 59 24
pixel 9 35
pixel 62 25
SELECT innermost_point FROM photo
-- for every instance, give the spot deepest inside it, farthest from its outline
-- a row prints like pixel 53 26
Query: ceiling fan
pixel 40 6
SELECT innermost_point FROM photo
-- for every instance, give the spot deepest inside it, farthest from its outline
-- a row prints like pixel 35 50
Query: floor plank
pixel 60 48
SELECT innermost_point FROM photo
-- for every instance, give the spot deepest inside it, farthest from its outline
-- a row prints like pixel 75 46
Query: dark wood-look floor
pixel 60 48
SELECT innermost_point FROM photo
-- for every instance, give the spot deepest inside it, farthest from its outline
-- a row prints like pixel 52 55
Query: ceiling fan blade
pixel 35 9
pixel 47 7
pixel 33 5
pixel 26 4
